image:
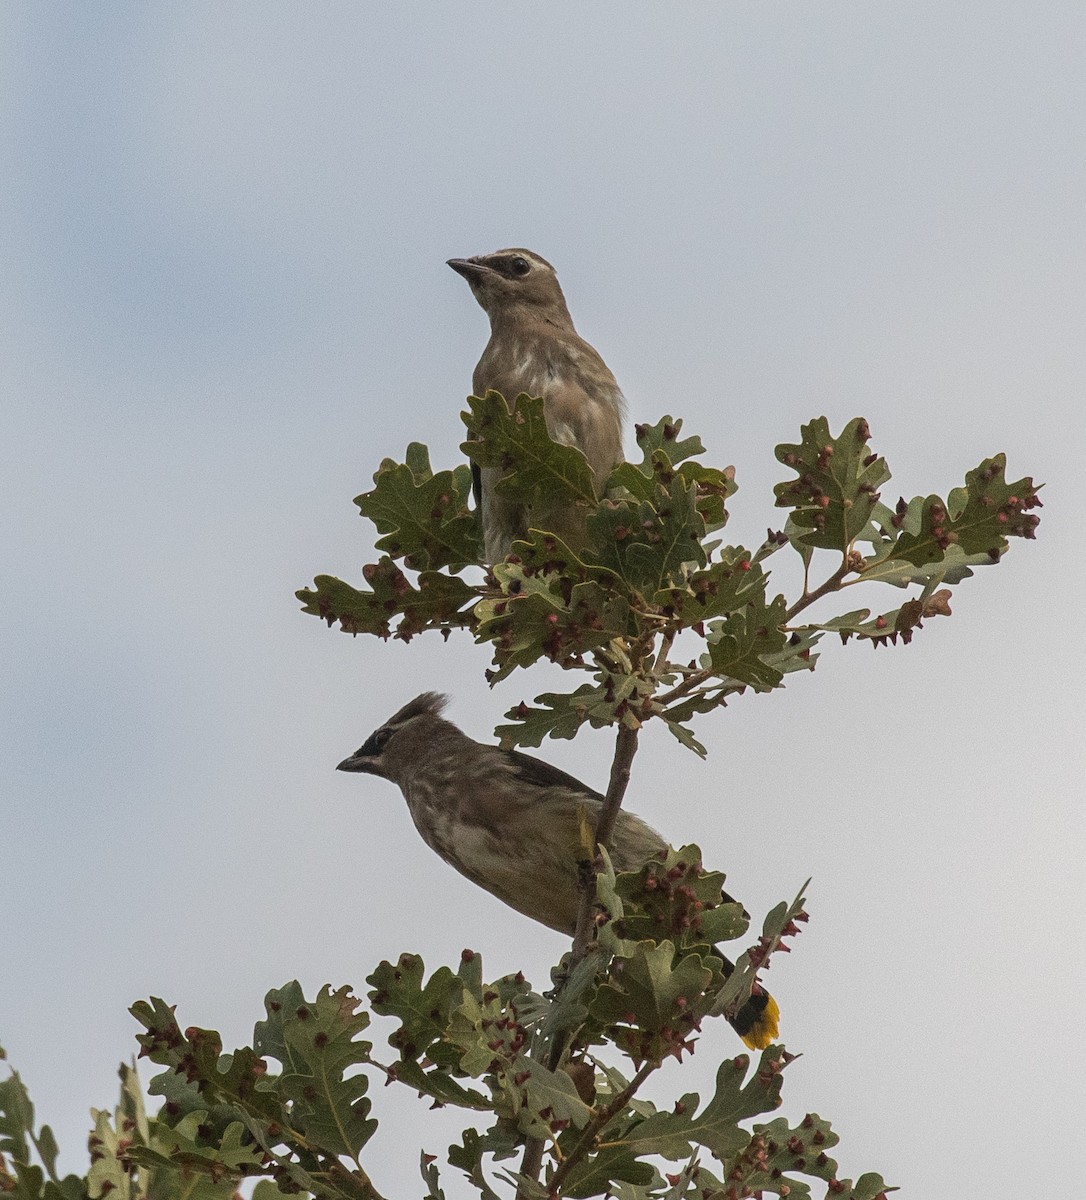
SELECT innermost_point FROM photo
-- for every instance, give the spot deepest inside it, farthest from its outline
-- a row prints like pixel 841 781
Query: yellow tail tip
pixel 757 1022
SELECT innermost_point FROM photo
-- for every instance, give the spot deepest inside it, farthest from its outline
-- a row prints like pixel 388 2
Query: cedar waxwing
pixel 512 824
pixel 534 348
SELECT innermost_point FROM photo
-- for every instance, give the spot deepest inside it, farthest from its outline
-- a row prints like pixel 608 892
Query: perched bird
pixel 512 823
pixel 534 348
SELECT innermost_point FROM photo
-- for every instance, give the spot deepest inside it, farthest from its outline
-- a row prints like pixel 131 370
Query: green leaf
pixel 197 1054
pixel 267 1190
pixel 673 723
pixel 468 1156
pixel 535 469
pixel 780 923
pixel 551 1096
pixel 425 1013
pixel 320 1042
pixel 423 1009
pixel 646 543
pixel 742 646
pixel 181 1160
pixel 561 716
pixel 653 1002
pixel 663 453
pixel 975 519
pixel 26 1180
pixel 890 626
pixel 568 1009
pixel 664 436
pixel 723 587
pixel 716 1126
pixel 674 897
pixel 16 1118
pixel 425 518
pixel 431 1177
pixel 953 568
pixel 437 603
pixel 595 1175
pixel 491 1037
pixel 779 1153
pixel 837 486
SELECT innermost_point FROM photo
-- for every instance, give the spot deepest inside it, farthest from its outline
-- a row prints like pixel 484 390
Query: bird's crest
pixel 431 703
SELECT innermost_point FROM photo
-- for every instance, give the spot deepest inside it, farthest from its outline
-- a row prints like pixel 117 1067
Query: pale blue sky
pixel 223 300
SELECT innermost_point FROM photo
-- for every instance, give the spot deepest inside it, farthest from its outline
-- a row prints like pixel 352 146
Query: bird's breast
pixel 525 854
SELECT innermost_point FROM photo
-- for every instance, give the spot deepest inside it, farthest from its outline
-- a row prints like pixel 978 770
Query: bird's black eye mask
pixel 374 744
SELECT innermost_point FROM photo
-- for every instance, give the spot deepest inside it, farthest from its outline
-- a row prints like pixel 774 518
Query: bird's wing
pixel 542 774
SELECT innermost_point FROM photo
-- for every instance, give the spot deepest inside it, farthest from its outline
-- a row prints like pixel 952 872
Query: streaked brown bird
pixel 512 823
pixel 534 348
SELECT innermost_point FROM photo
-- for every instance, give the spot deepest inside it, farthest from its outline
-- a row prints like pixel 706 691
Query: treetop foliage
pixel 537 1071
pixel 614 607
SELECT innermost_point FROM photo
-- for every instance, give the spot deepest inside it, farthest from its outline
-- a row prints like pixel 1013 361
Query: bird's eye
pixel 520 266
pixel 376 742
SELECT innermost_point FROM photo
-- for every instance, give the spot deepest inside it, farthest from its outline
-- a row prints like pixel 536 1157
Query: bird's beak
pixel 470 268
pixel 358 762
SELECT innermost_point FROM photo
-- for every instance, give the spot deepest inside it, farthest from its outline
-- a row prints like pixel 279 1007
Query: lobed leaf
pixel 837 486
pixel 653 999
pixel 664 436
pixel 742 646
pixel 514 439
pixel 317 1043
pixel 437 603
pixel 723 587
pixel 672 896
pixel 646 543
pixel 976 519
pixel 672 1135
pixel 424 518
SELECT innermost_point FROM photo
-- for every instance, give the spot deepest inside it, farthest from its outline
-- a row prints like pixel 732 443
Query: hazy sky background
pixel 223 300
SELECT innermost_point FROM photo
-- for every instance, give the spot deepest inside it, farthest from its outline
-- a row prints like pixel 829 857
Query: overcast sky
pixel 223 301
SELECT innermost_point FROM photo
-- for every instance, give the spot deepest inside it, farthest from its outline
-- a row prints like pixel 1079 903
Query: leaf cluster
pixel 292 1110
pixel 634 578
pixel 643 578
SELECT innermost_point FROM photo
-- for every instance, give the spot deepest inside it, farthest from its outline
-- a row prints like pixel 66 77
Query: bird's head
pixel 401 744
pixel 509 281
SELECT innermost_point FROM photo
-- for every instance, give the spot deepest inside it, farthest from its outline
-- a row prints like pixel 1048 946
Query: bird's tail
pixel 757 1021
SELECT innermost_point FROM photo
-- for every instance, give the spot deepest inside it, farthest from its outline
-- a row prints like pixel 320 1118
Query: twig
pixel 695 679
pixel 665 650
pixel 530 1164
pixel 824 589
pixel 598 1122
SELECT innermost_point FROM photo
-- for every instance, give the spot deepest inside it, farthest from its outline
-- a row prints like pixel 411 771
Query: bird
pixel 512 824
pixel 535 349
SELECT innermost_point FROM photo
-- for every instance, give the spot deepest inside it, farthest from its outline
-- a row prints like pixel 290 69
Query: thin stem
pixel 625 749
pixel 693 680
pixel 824 589
pixel 530 1164
pixel 665 650
pixel 598 1122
